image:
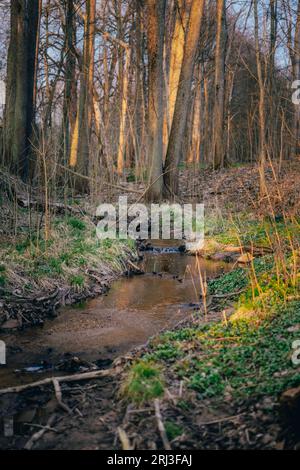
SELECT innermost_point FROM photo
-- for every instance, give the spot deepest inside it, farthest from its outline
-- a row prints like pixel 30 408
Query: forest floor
pixel 223 380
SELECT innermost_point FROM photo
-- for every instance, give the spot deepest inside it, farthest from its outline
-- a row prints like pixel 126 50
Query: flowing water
pixel 134 309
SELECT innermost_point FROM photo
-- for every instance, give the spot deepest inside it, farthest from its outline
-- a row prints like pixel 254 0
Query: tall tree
pixel 295 59
pixel 262 103
pixel 219 86
pixel 195 144
pixel 155 38
pixel 176 54
pixel 70 88
pixel 80 146
pixel 183 96
pixel 21 84
pixel 273 114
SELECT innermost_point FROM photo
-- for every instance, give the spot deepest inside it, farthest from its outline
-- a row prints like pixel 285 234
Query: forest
pixel 147 336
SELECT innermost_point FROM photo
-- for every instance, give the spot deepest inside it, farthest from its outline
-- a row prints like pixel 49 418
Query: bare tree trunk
pixel 273 127
pixel 139 100
pixel 218 122
pixel 123 115
pixel 296 76
pixel 80 148
pixel 156 27
pixel 177 51
pixel 70 90
pixel 11 76
pixel 183 96
pixel 194 151
pixel 262 116
pixel 21 83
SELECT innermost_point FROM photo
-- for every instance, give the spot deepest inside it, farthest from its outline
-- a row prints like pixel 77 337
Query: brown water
pixel 134 309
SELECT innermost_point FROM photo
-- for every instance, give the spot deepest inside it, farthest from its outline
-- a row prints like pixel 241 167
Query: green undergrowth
pixel 250 353
pixel 238 358
pixel 72 248
pixel 144 382
pixel 238 279
pixel 245 230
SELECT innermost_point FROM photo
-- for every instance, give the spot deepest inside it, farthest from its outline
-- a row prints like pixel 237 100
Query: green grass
pixel 76 224
pixel 77 280
pixel 241 228
pixel 144 383
pixel 173 430
pixel 2 280
pixel 72 248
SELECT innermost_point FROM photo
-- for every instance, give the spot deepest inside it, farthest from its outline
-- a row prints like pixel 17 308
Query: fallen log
pixel 56 207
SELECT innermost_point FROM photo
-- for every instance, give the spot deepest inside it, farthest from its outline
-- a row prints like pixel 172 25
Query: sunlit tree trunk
pixel 183 96
pixel 176 56
pixel 273 127
pixel 182 8
pixel 194 151
pixel 155 37
pixel 123 115
pixel 80 147
pixel 139 99
pixel 262 104
pixel 218 121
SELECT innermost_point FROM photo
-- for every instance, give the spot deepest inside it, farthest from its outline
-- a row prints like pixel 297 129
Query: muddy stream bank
pixel 134 309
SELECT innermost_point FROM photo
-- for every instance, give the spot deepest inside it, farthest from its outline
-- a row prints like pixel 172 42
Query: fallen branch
pixel 225 296
pixel 67 378
pixel 39 426
pixel 36 436
pixel 222 420
pixel 124 439
pixel 58 395
pixel 57 207
pixel 255 249
pixel 134 267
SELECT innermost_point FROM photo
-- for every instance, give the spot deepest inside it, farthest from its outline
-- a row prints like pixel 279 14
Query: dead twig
pixel 160 425
pixel 225 296
pixel 36 436
pixel 217 421
pixel 39 426
pixel 58 395
pixel 124 439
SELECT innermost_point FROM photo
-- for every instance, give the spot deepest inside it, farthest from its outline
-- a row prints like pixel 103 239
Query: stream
pixel 134 309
